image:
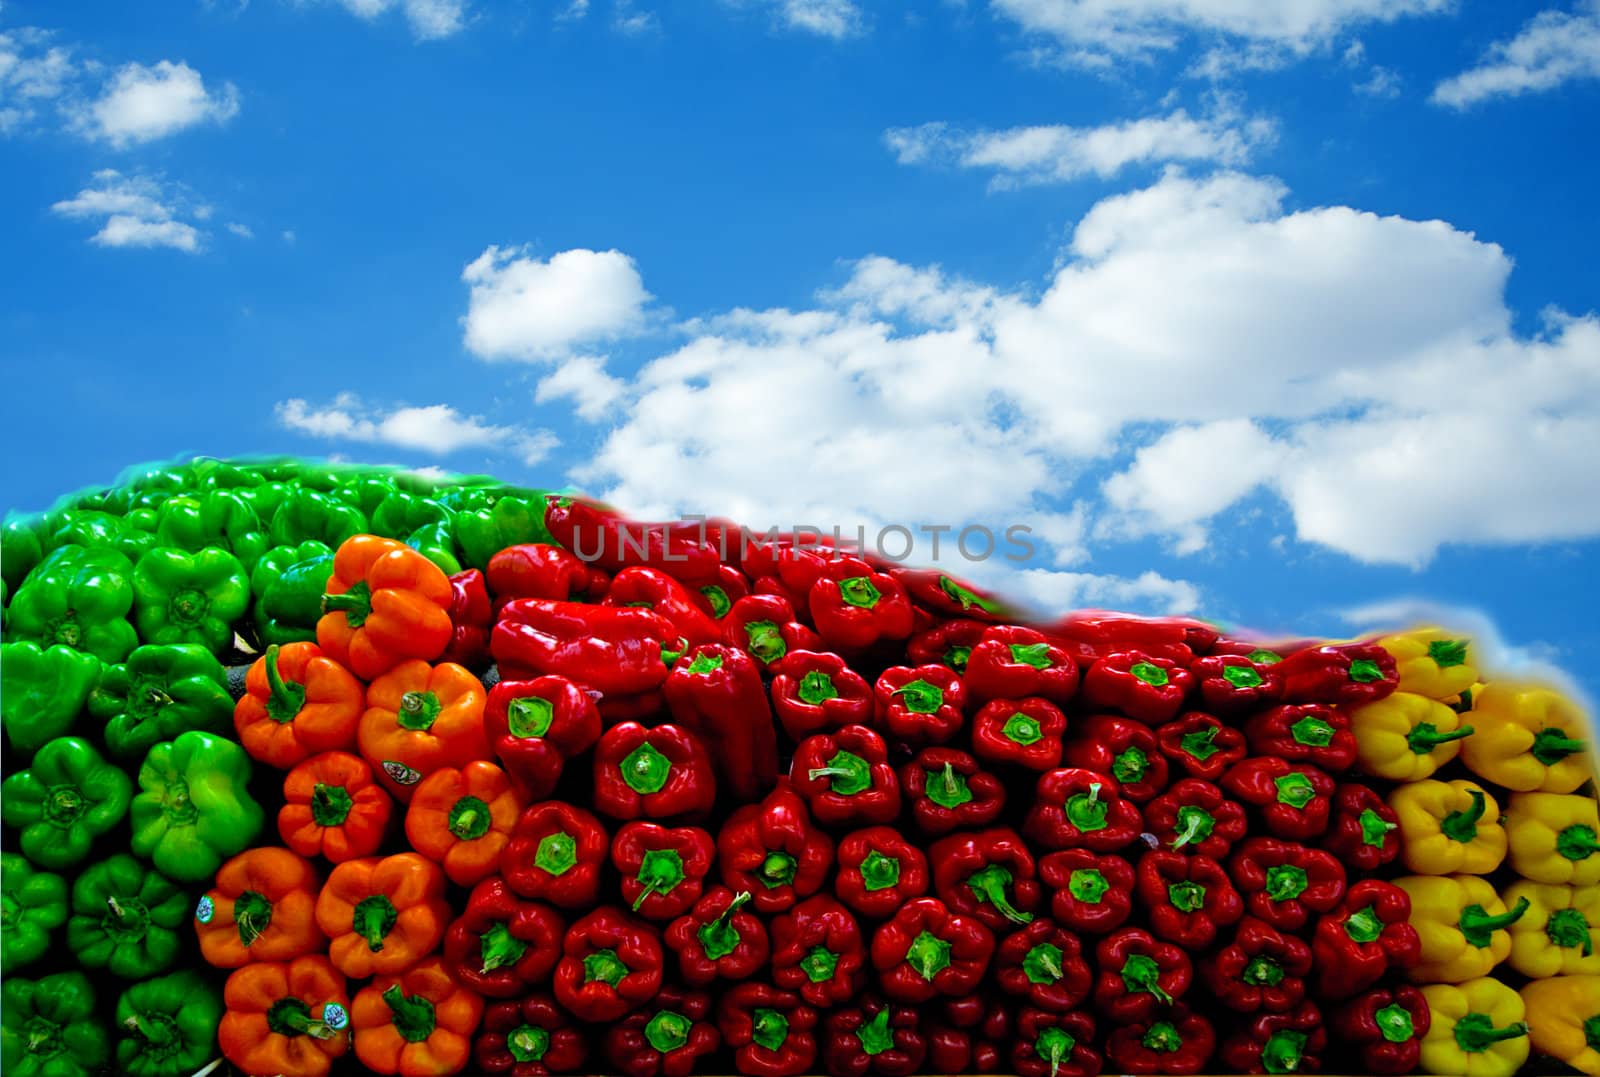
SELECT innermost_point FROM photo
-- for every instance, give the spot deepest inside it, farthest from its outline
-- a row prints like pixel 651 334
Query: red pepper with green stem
pixel 657 773
pixel 879 870
pixel 555 855
pixel 1188 897
pixel 772 1033
pixel 949 644
pixel 1173 1041
pixel 1021 732
pixel 1043 965
pixel 1121 747
pixel 610 963
pixel 920 705
pixel 1386 1026
pixel 846 777
pixel 1200 746
pixel 1231 684
pixel 1138 973
pixel 1093 891
pixel 529 1037
pixel 654 590
pixel 501 944
pixel 1050 1043
pixel 1340 674
pixel 946 790
pixel 1081 809
pixel 1010 662
pixel 621 653
pixel 536 728
pixel 539 570
pixel 1304 733
pixel 772 850
pixel 946 596
pixel 1363 831
pixel 874 1037
pixel 926 950
pixel 716 598
pixel 1261 969
pixel 718 939
pixel 716 693
pixel 988 875
pixel 611 541
pixel 853 612
pixel 1367 935
pixel 1195 817
pixel 766 628
pixel 1285 883
pixel 1141 686
pixel 471 617
pixel 816 692
pixel 1290 1042
pixel 1294 800
pixel 817 950
pixel 665 1038
pixel 663 869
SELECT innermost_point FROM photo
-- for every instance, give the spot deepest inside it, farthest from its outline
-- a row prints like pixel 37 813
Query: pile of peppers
pixel 317 769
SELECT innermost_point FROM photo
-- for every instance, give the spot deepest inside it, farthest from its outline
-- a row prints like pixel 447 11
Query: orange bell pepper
pixel 333 808
pixel 382 914
pixel 420 718
pixel 285 1018
pixel 262 909
pixel 297 702
pixel 463 820
pixel 385 603
pixel 418 1024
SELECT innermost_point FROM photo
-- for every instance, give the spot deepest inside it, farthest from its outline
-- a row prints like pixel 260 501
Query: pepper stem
pixel 874 1034
pixel 1577 842
pixel 990 885
pixel 1568 928
pixel 1426 737
pixel 1551 746
pixel 412 1015
pixel 1142 973
pixel 1475 1032
pixel 1395 1023
pixel 287 697
pixel 1284 1051
pixel 499 948
pixel 1477 926
pixel 1462 826
pixel 719 938
pixel 1197 825
pixel 660 870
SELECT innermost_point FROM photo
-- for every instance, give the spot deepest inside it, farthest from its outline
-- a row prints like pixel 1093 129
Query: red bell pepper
pixel 555 855
pixel 1290 1042
pixel 1364 832
pixel 610 963
pixel 854 612
pixel 970 1036
pixel 948 644
pixel 946 596
pixel 765 627
pixel 846 777
pixel 502 944
pixel 879 870
pixel 1368 934
pixel 665 1038
pixel 613 542
pixel 946 790
pixel 1172 1041
pixel 1138 974
pixel 1231 684
pixel 1293 799
pixel 1188 897
pixel 1103 628
pixel 988 875
pixel 793 562
pixel 1125 749
pixel 1050 1043
pixel 718 938
pixel 536 727
pixel 926 950
pixel 659 773
pixel 814 692
pixel 919 705
pixel 621 653
pixel 772 850
pixel 471 615
pixel 1140 685
pixel 715 599
pixel 1081 809
pixel 1261 969
pixel 874 1037
pixel 663 869
pixel 1386 1026
pixel 1284 882
pixel 1093 891
pixel 771 1032
pixel 1024 732
pixel 528 1038
pixel 1338 674
pixel 539 570
pixel 654 590
pixel 1304 733
pixel 1043 965
pixel 1200 746
pixel 1011 662
pixel 817 951
pixel 1194 816
pixel 716 693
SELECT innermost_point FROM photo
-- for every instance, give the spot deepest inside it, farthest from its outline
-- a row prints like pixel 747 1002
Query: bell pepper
pixel 297 702
pixel 925 950
pixel 1261 970
pixel 948 644
pixel 1024 732
pixel 1556 937
pixel 1284 882
pixel 1200 745
pixel 1529 739
pixel 1232 684
pixel 845 776
pixel 1188 897
pixel 462 819
pixel 716 693
pixel 32 905
pixel 988 875
pixel 418 1023
pixel 1012 662
pixel 169 1025
pixel 1080 809
pixel 539 570
pixel 399 513
pixel 77 598
pixel 1338 674
pixel 437 542
pixel 66 798
pixel 875 1037
pixel 666 1037
pixel 157 694
pixel 125 917
pixel 556 853
pixel 817 950
pixel 501 944
pixel 663 869
pixel 193 598
pixel 1478 1029
pixel 386 605
pixel 48 1027
pixel 1405 737
pixel 536 727
pixel 771 1032
pixel 717 939
pixel 1043 965
pixel 853 612
pixel 528 1038
pixel 20 547
pixel 817 692
pixel 43 690
pixel 919 705
pixel 970 1036
pixel 420 718
pixel 1138 973
pixel 1552 838
pixel 1306 733
pixel 1364 832
pixel 621 653
pixel 715 599
pixel 947 791
pixel 772 850
pixel 471 617
pixel 1287 1042
pixel 290 1018
pixel 1463 926
pixel 1194 816
pixel 765 627
pixel 217 518
pixel 659 773
pixel 1050 1043
pixel 1386 1027
pixel 1171 1041
pixel 1093 634
pixel 333 808
pixel 193 809
pixel 262 908
pixel 288 583
pixel 382 915
pixel 1142 686
pixel 946 596
pixel 1093 892
pixel 1564 1020
pixel 1431 662
pixel 1446 827
pixel 1295 800
pixel 613 542
pixel 879 870
pixel 610 963
pixel 1121 747
pixel 654 590
pixel 1368 934
pixel 488 521
pixel 308 514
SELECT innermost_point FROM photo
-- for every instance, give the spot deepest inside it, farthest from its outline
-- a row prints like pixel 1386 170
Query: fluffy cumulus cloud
pixel 429 20
pixel 1555 47
pixel 137 211
pixel 141 104
pixel 527 309
pixel 431 428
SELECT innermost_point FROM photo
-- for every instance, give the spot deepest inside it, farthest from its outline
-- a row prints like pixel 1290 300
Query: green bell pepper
pixel 21 547
pixel 42 691
pixel 289 599
pixel 126 918
pixel 169 1025
pixel 182 597
pixel 193 810
pixel 159 692
pixel 494 519
pixel 220 518
pixel 101 531
pixel 401 514
pixel 437 543
pixel 280 558
pixel 68 797
pixel 32 905
pixel 308 514
pixel 365 489
pixel 48 1029
pixel 79 598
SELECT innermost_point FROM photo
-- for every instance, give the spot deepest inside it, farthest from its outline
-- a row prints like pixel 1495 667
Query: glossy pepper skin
pixel 845 776
pixel 501 944
pixel 290 1017
pixel 853 612
pixel 1093 891
pixel 1432 662
pixel 657 773
pixel 874 1036
pixel 1463 926
pixel 219 518
pixel 970 1036
pixel 1195 817
pixel 1050 1043
pixel 34 904
pixel 817 950
pixel 1405 737
pixel 610 541
pixel 333 808
pixel 171 1024
pixel 193 809
pixel 1564 1020
pixel 1529 739
pixel 1363 831
pixel 66 798
pixel 1289 1042
pixel 663 869
pixel 1262 969
pixel 420 718
pixel 654 590
pixel 262 908
pixel 528 1037
pixel 415 1024
pixel 471 618
pixel 1294 800
pixel 666 1037
pixel 716 692
pixel 556 853
pixel 297 702
pixel 715 599
pixel 1338 674
pixel 44 691
pixel 307 513
pixel 535 728
pixel 77 598
pixel 920 705
pixel 988 875
pixel 925 950
pixel 288 583
pixel 48 1027
pixel 1138 973
pixel 1552 838
pixel 879 870
pixel 1199 745
pixel 157 694
pixel 381 915
pixel 1368 934
pixel 1304 733
pixel 1478 1029
pixel 1188 897
pixel 1285 883
pixel 620 653
pixel 1094 634
pixel 1173 1041
pixel 540 570
pixel 1121 747
pixel 1557 935
pixel 1020 732
pixel 489 520
pixel 772 850
pixel 1144 687
pixel 948 644
pixel 1386 1027
pixel 718 939
pixel 816 692
pixel 946 790
pixel 194 598
pixel 1446 827
pixel 771 1032
pixel 610 963
pixel 1080 809
pixel 1232 684
pixel 386 604
pixel 463 818
pixel 1012 662
pixel 765 627
pixel 947 596
pixel 1043 965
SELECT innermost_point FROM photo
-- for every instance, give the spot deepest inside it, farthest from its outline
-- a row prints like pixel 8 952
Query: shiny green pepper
pixel 158 693
pixel 78 598
pixel 68 797
pixel 308 514
pixel 219 518
pixel 193 810
pixel 43 690
pixel 182 597
pixel 126 918
pixel 169 1026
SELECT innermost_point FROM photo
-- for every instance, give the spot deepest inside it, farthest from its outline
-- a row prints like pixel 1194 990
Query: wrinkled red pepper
pixel 1188 897
pixel 817 950
pixel 1054 1044
pixel 988 875
pixel 1093 891
pixel 539 570
pixel 715 599
pixel 715 692
pixel 772 1033
pixel 502 945
pixel 919 705
pixel 1386 1026
pixel 1022 732
pixel 654 590
pixel 529 1037
pixel 926 950
pixel 665 1038
pixel 1125 749
pixel 1368 934
pixel 949 644
pixel 1303 733
pixel 765 627
pixel 1138 974
pixel 660 773
pixel 1081 809
pixel 1136 684
pixel 1011 662
pixel 536 727
pixel 555 854
pixel 772 850
pixel 1293 799
pixel 663 869
pixel 946 790
pixel 1172 1041
pixel 613 542
pixel 1043 965
pixel 814 692
pixel 1290 1042
pixel 874 1037
pixel 854 612
pixel 718 939
pixel 879 870
pixel 1195 817
pixel 1200 746
pixel 471 615
pixel 1231 684
pixel 621 653
pixel 846 777
pixel 610 963
pixel 1261 969
pixel 1338 674
pixel 1364 832
pixel 1284 883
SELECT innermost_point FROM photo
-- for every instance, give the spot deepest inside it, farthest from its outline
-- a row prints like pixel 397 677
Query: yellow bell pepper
pixel 1406 737
pixel 1529 739
pixel 1462 924
pixel 1564 1020
pixel 1431 662
pixel 1553 838
pixel 1446 827
pixel 1558 933
pixel 1477 1030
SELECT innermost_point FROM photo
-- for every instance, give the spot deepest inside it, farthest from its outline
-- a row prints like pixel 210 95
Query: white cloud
pixel 141 104
pixel 136 211
pixel 1380 81
pixel 835 19
pixel 1555 47
pixel 584 381
pixel 429 20
pixel 575 10
pixel 626 20
pixel 34 74
pixel 1149 592
pixel 433 428
pixel 243 231
pixel 528 309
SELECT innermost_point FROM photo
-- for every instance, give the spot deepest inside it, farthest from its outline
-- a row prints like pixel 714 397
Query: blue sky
pixel 1283 313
